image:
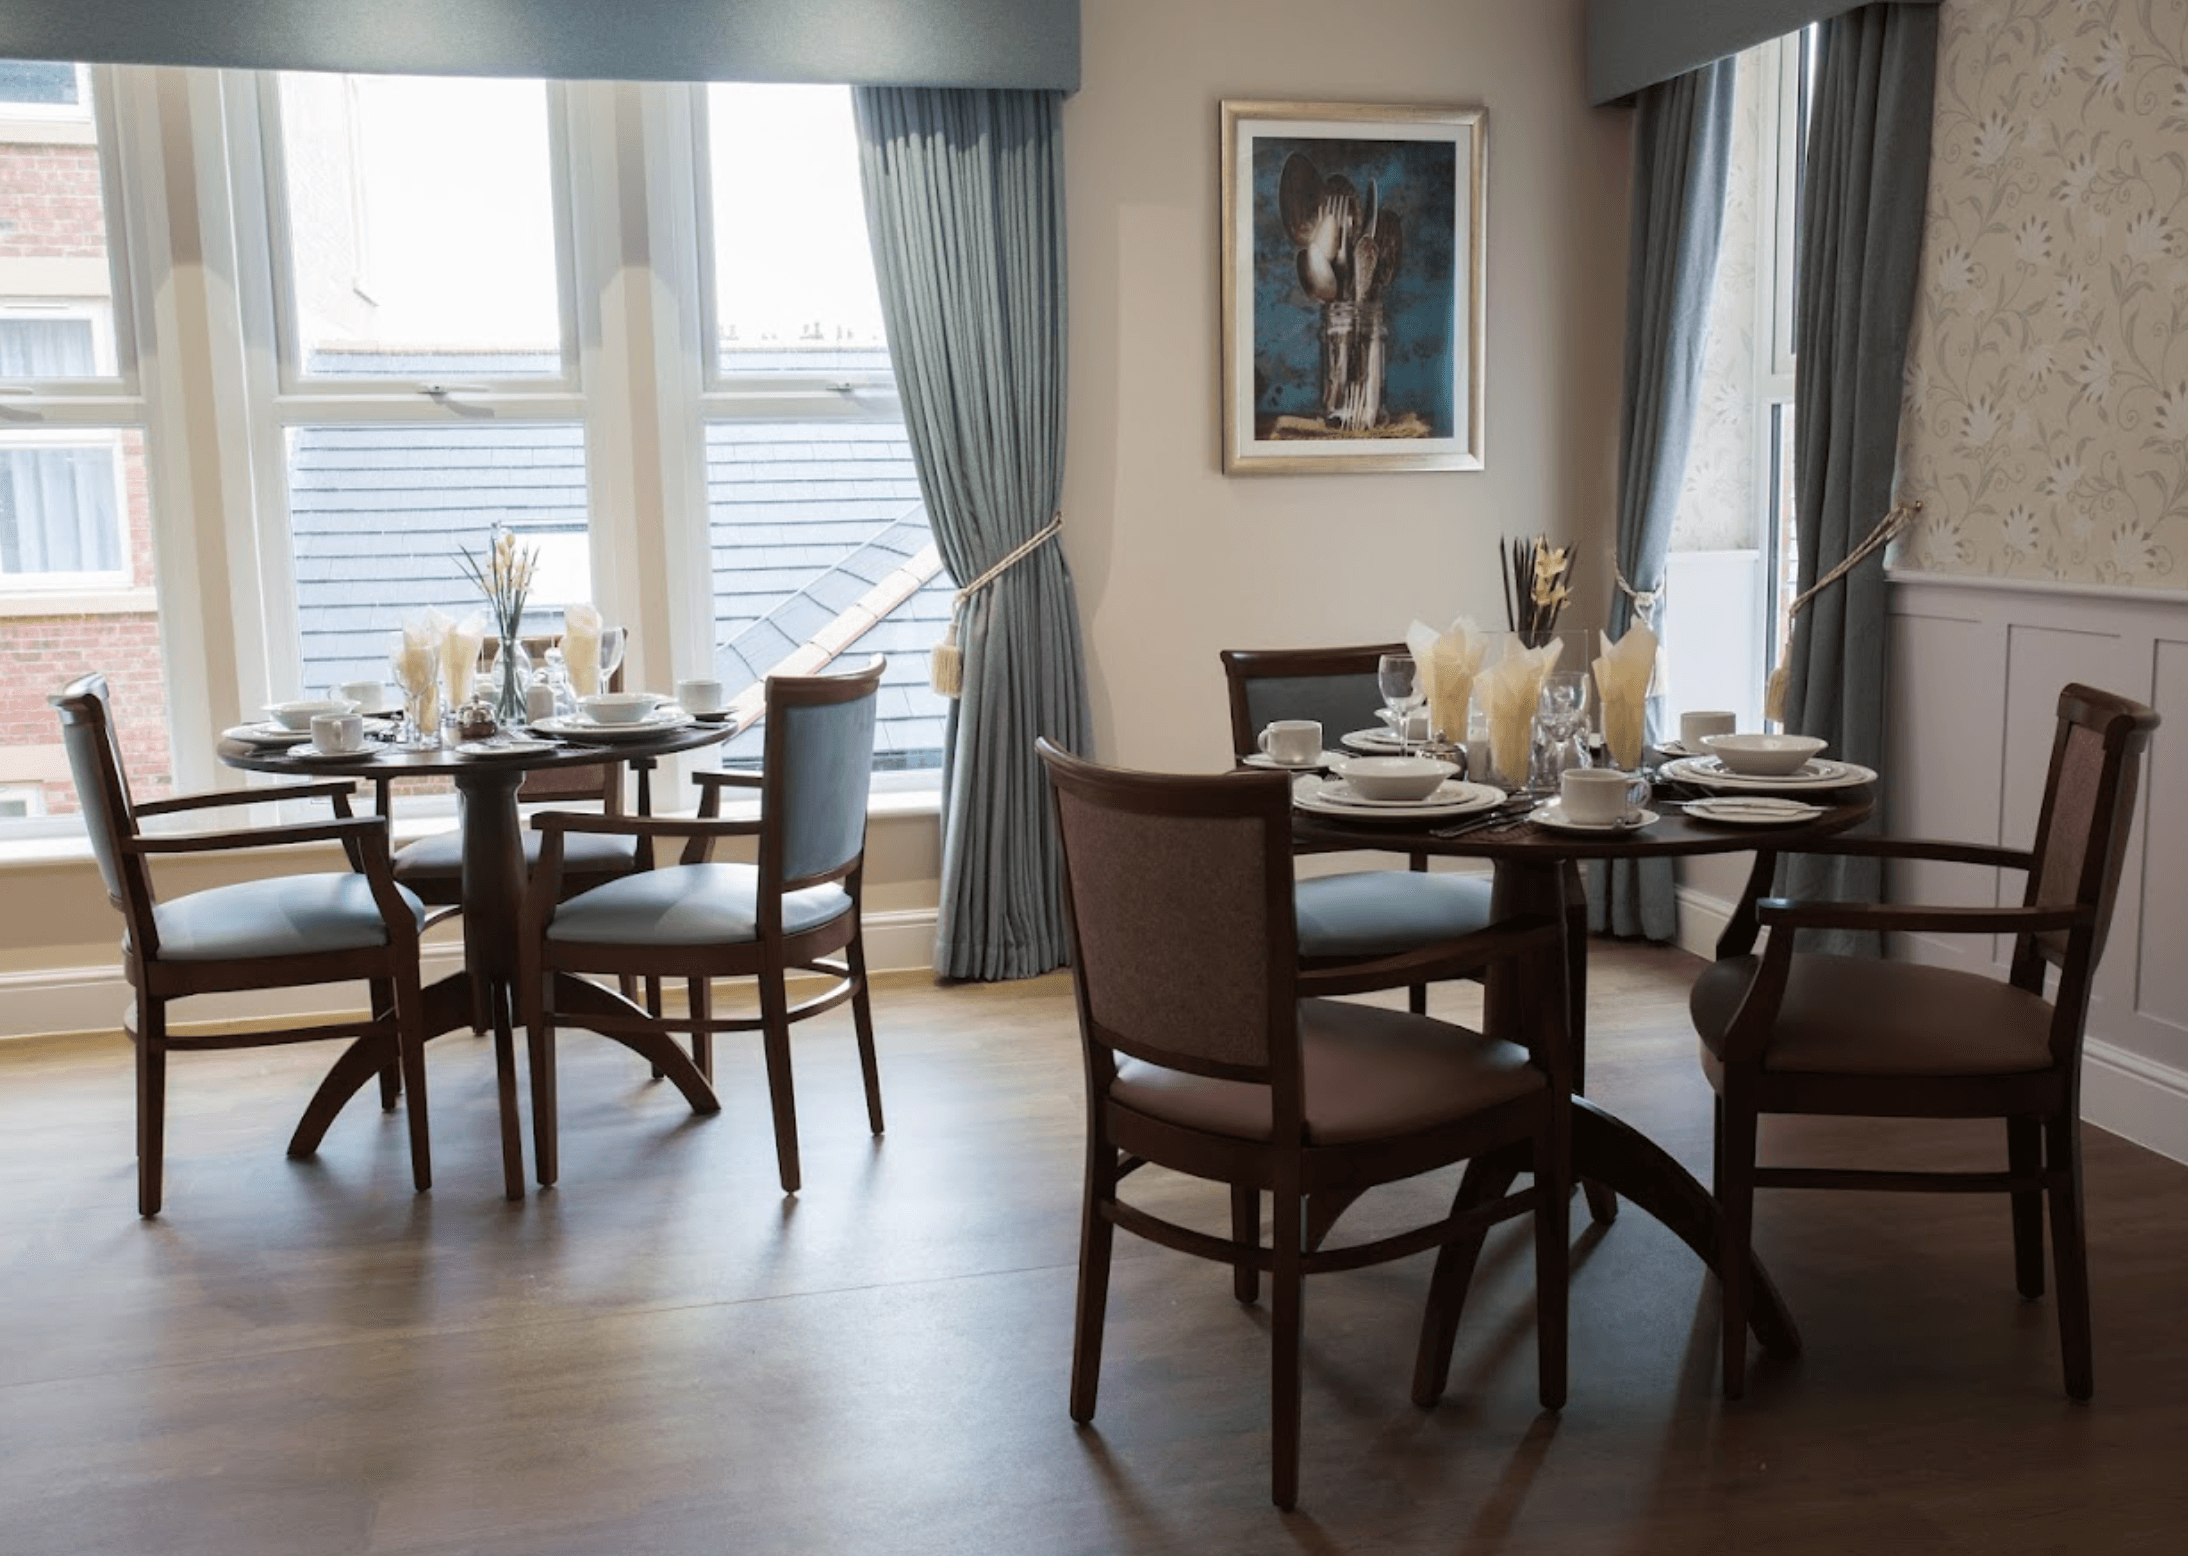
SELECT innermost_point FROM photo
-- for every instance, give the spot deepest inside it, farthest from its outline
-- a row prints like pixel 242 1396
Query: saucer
pixel 665 720
pixel 311 753
pixel 506 745
pixel 1371 742
pixel 1263 759
pixel 1551 813
pixel 266 735
pixel 1752 811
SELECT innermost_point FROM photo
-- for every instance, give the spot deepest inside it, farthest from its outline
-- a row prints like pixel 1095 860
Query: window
pixel 44 89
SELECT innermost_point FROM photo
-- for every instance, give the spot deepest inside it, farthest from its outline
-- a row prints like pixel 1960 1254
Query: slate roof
pixel 805 519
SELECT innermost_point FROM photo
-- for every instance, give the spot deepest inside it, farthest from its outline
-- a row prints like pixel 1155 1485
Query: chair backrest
pixel 1178 892
pixel 1336 687
pixel 818 761
pixel 2081 832
pixel 102 791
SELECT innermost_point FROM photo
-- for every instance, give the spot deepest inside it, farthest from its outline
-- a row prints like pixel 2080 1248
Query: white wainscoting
pixel 1976 668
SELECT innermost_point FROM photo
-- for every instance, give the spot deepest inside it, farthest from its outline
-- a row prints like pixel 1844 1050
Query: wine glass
pixel 611 653
pixel 1398 678
pixel 1561 711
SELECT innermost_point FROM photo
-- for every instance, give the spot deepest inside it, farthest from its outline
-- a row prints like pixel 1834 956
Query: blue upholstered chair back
pixel 820 762
pixel 102 784
pixel 1339 703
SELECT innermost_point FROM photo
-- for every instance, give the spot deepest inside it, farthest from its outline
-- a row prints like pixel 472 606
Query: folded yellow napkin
pixel 460 657
pixel 581 647
pixel 1445 665
pixel 1622 683
pixel 417 667
pixel 1507 693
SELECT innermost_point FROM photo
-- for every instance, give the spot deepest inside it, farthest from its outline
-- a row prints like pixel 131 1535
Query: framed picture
pixel 1352 287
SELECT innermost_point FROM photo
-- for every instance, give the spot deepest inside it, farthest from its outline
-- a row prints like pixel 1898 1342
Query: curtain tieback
pixel 1645 601
pixel 1890 526
pixel 946 663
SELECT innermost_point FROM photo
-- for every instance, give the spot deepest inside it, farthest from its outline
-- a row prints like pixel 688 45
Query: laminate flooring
pixel 665 1354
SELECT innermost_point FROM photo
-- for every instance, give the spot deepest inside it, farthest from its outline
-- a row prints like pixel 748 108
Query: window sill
pixel 77 602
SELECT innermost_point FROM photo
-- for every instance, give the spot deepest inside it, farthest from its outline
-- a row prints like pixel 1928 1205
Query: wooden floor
pixel 664 1355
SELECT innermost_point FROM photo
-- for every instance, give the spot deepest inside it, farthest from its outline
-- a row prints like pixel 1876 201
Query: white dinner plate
pixel 578 727
pixel 1454 797
pixel 266 735
pixel 1551 814
pixel 311 753
pixel 1706 772
pixel 1263 759
pixel 1377 742
pixel 1752 811
pixel 504 745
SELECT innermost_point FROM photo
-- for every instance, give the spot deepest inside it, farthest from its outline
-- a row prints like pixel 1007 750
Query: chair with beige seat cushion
pixel 797 909
pixel 279 932
pixel 1364 929
pixel 1201 1057
pixel 1796 1032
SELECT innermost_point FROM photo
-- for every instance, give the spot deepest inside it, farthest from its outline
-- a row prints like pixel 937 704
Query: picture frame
pixel 1352 287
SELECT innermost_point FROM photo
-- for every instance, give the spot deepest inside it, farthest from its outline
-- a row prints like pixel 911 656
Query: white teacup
pixel 370 696
pixel 1296 741
pixel 1693 726
pixel 701 694
pixel 338 732
pixel 1601 796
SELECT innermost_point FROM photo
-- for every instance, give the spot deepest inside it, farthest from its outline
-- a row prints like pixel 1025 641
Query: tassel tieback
pixel 946 662
pixel 1895 521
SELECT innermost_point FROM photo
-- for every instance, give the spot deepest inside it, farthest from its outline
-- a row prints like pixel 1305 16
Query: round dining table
pixel 1538 870
pixel 482 997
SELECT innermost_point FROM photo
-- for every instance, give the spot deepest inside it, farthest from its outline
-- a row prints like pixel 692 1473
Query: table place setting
pixel 1393 788
pixel 1292 746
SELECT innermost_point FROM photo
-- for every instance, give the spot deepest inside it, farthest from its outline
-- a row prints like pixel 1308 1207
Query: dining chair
pixel 280 932
pixel 796 909
pixel 1359 930
pixel 1201 1057
pixel 1803 1032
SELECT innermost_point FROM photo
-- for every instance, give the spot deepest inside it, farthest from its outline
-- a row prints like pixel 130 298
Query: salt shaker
pixel 539 699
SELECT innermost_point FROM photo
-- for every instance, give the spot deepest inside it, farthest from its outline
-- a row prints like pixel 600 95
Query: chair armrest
pixel 1919 848
pixel 330 788
pixel 345 830
pixel 728 779
pixel 553 821
pixel 1777 912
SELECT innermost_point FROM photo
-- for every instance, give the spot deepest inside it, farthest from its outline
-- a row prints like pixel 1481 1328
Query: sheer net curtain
pixel 964 206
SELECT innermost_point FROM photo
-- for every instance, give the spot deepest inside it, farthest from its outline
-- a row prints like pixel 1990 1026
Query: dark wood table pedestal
pixel 482 997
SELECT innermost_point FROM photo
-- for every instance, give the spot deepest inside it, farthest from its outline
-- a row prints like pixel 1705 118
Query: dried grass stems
pixel 505 579
pixel 1537 585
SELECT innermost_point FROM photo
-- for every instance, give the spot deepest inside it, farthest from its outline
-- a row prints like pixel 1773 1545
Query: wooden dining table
pixel 1538 870
pixel 482 997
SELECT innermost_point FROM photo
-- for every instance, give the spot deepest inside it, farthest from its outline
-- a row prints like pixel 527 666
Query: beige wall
pixel 1173 560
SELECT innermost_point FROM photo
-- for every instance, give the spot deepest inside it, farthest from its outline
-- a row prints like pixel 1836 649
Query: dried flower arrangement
pixel 1537 586
pixel 505 578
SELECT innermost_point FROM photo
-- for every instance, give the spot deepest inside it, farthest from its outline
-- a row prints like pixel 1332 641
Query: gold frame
pixel 1246 453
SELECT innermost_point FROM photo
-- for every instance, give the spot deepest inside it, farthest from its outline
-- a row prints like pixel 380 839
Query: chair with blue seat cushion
pixel 280 932
pixel 796 908
pixel 1363 929
pixel 1202 1058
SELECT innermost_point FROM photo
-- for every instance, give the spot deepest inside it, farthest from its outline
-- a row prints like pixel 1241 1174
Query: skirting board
pixel 92 999
pixel 2123 1092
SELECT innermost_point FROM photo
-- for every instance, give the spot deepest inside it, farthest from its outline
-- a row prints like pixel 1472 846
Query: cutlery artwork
pixel 1348 255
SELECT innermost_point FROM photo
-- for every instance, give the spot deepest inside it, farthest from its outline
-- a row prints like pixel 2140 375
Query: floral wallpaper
pixel 2046 419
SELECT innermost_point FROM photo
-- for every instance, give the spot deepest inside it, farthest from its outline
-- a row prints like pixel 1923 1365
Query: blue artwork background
pixel 1419 181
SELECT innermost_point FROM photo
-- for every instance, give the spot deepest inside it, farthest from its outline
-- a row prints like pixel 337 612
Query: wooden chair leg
pixel 381 993
pixel 151 1035
pixel 775 1038
pixel 1246 1231
pixel 699 995
pixel 862 1022
pixel 1553 1260
pixel 2070 1253
pixel 1287 1291
pixel 1416 998
pixel 2025 1158
pixel 546 1105
pixel 1736 1209
pixel 408 1002
pixel 653 1009
pixel 1096 1235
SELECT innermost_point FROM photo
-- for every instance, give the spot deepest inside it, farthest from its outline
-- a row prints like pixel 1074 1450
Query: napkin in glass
pixel 581 647
pixel 1445 665
pixel 1508 692
pixel 1622 684
pixel 460 644
pixel 417 667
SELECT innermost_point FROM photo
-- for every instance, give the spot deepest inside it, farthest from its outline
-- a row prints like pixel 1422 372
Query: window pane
pixel 39 82
pixel 421 226
pixel 793 275
pixel 379 515
pixel 816 528
pixel 60 509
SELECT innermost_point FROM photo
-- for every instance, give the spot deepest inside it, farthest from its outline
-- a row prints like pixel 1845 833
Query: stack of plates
pixel 267 734
pixel 1375 742
pixel 1707 772
pixel 1335 797
pixel 664 720
pixel 1752 810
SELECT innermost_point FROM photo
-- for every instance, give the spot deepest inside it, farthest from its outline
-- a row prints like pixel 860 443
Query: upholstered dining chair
pixel 1201 1057
pixel 278 932
pixel 796 909
pixel 1359 930
pixel 1799 1032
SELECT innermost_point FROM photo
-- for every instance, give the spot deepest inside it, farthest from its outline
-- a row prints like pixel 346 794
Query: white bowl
pixel 618 707
pixel 1393 777
pixel 298 715
pixel 1763 756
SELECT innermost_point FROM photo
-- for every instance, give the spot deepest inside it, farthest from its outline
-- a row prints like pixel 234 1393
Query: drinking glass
pixel 417 675
pixel 1561 715
pixel 1399 680
pixel 611 653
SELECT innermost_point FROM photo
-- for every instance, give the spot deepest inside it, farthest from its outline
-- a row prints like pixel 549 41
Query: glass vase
pixel 511 675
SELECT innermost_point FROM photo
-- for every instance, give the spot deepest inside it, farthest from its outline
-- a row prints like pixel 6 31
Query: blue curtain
pixel 965 209
pixel 1682 150
pixel 1863 199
